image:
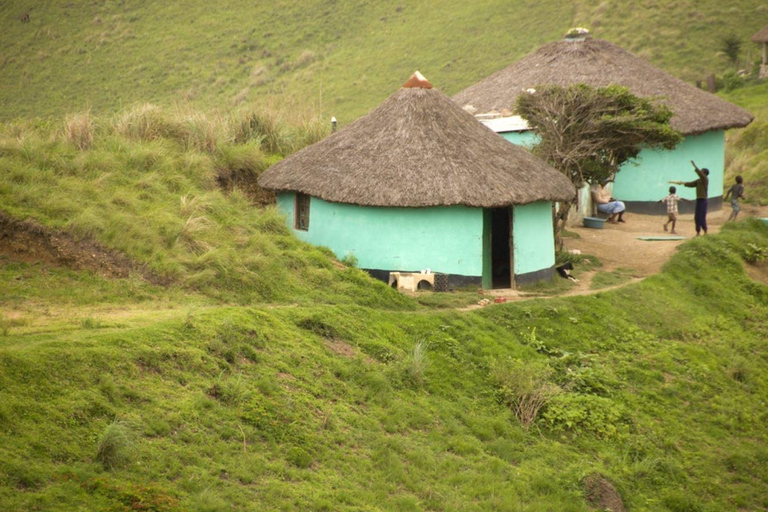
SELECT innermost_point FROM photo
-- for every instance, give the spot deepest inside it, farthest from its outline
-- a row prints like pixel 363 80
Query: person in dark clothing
pixel 701 185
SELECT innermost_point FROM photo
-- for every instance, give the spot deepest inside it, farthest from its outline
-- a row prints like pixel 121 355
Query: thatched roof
pixel 599 64
pixel 418 149
pixel 761 36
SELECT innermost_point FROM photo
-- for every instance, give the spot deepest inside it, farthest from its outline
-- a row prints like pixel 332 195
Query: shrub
pixel 754 253
pixel 524 387
pixel 299 457
pixel 264 127
pixel 350 260
pixel 586 414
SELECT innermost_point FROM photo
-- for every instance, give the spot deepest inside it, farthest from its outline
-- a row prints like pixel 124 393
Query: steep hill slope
pixel 341 58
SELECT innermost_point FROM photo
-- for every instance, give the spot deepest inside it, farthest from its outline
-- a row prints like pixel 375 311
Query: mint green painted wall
pixel 648 180
pixel 527 139
pixel 443 239
pixel 534 237
pixel 487 256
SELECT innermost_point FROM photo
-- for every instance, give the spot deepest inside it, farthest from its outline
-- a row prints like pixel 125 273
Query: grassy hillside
pixel 236 368
pixel 265 377
pixel 338 58
pixel 170 191
pixel 192 407
pixel 747 149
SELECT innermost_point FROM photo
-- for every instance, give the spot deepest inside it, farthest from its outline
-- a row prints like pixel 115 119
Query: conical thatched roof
pixel 599 64
pixel 761 36
pixel 418 149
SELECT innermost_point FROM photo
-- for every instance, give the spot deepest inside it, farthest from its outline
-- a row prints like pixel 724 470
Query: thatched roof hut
pixel 418 149
pixel 600 63
pixel 761 36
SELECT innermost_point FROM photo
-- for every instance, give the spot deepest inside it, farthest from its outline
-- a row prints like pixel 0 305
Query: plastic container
pixel 594 222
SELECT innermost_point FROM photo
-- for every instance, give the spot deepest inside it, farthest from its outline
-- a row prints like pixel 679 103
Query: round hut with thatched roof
pixel 702 117
pixel 418 184
pixel 761 38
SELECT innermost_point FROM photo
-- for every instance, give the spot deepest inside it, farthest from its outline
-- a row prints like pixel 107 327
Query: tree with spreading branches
pixel 588 133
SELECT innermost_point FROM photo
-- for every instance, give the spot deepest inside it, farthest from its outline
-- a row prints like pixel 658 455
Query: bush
pixel 586 414
pixel 524 387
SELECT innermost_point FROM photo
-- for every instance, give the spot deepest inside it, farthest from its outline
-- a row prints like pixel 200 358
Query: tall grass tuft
pixel 309 131
pixel 146 122
pixel 238 167
pixel 116 445
pixel 265 127
pixel 524 387
pixel 200 131
pixel 79 130
pixel 418 363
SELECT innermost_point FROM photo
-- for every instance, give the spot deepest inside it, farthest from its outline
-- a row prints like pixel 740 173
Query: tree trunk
pixel 560 218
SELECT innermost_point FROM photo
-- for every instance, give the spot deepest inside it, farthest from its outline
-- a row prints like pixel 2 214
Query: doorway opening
pixel 501 248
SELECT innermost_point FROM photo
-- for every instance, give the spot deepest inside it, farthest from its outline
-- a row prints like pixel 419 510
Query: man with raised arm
pixel 701 184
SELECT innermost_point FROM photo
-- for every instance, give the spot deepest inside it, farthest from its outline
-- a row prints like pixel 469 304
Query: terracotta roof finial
pixel 417 81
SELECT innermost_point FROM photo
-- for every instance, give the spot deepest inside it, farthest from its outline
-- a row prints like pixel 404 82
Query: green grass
pixel 615 277
pixel 747 149
pixel 345 407
pixel 151 188
pixel 266 378
pixel 338 59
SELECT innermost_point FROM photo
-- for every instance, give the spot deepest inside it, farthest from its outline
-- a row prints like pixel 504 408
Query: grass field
pixel 251 371
pixel 266 376
pixel 340 58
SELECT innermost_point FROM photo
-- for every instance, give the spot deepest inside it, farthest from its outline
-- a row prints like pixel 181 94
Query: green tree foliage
pixel 588 133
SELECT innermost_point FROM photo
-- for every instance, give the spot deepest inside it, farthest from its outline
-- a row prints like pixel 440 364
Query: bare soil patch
pixel 30 242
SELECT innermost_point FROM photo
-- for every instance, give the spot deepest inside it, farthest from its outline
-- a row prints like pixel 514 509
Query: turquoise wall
pixel 647 181
pixel 447 239
pixel 527 139
pixel 534 237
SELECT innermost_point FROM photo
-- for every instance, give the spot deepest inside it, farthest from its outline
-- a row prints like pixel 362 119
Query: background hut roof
pixel 761 36
pixel 418 149
pixel 599 64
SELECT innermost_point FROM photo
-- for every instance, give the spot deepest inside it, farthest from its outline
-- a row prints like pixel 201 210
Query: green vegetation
pixel 328 407
pixel 152 185
pixel 747 149
pixel 614 278
pixel 265 376
pixel 236 368
pixel 339 59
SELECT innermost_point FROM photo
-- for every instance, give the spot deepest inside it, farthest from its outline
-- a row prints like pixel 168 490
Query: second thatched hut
pixel 419 184
pixel 701 116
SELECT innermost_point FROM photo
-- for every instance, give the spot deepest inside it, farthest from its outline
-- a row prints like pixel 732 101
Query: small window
pixel 301 213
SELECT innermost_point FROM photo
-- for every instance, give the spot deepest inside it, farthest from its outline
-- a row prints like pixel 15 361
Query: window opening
pixel 302 212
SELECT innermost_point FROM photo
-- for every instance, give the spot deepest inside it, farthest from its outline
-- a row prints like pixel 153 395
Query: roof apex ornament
pixel 417 81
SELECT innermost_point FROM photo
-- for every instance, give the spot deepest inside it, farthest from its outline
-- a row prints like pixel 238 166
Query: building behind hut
pixel 700 116
pixel 419 184
pixel 761 38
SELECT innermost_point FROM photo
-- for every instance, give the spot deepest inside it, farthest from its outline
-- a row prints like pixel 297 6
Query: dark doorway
pixel 501 241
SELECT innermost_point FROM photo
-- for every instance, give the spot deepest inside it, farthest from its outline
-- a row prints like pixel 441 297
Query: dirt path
pixel 617 247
